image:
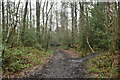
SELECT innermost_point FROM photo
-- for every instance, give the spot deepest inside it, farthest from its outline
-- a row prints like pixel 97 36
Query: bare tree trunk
pixel 27 22
pixel 30 15
pixel 0 27
pixel 46 17
pixel 48 33
pixel 47 13
pixel 89 45
pixel 62 16
pixel 57 27
pixel 51 15
pixel 38 17
pixel 10 24
pixel 1 46
pixel 38 6
pixel 72 15
pixel 75 23
pixel 119 24
pixel 18 33
pixel 81 24
pixel 81 18
pixel 7 16
pixel 119 12
pixel 14 26
pixel 87 30
pixel 56 18
pixel 24 22
pixel 76 29
pixel 10 32
pixel 43 18
pixel 3 17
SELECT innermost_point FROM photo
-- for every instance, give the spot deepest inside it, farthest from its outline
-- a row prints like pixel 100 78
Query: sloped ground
pixel 104 66
pixel 63 66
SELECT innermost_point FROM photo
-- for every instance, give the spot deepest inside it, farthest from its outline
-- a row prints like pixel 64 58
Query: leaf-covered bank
pixel 19 60
pixel 105 65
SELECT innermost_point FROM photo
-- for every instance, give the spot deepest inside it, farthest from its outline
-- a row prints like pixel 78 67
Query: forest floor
pixel 63 65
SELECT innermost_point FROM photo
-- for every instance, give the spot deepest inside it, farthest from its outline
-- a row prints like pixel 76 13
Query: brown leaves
pixel 94 74
pixel 104 66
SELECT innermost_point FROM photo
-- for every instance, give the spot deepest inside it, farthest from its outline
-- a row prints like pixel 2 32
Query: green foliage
pixel 97 29
pixel 103 66
pixel 13 60
pixel 30 37
pixel 19 58
pixel 38 46
pixel 62 37
pixel 65 47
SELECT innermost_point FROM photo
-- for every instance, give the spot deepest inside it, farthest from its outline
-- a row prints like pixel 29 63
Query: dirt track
pixel 63 66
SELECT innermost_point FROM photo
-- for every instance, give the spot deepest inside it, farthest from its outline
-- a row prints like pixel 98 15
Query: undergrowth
pixel 104 66
pixel 19 58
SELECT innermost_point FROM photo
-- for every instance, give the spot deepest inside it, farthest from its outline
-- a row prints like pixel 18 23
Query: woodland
pixel 30 31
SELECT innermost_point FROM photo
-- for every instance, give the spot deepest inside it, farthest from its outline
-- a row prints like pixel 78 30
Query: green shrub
pixel 13 60
pixel 65 47
pixel 38 46
pixel 30 37
pixel 19 58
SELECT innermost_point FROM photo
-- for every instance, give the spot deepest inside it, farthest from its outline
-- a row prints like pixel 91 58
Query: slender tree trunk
pixel 38 6
pixel 7 16
pixel 119 12
pixel 75 23
pixel 0 22
pixel 63 16
pixel 43 18
pixel 119 24
pixel 48 32
pixel 51 15
pixel 9 34
pixel 1 46
pixel 56 18
pixel 3 17
pixel 46 23
pixel 72 15
pixel 38 17
pixel 27 25
pixel 10 16
pixel 18 30
pixel 89 45
pixel 30 15
pixel 81 23
pixel 87 30
pixel 24 22
pixel 76 29
pixel 0 19
pixel 57 27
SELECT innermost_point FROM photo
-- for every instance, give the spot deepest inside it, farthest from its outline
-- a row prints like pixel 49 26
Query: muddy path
pixel 63 66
